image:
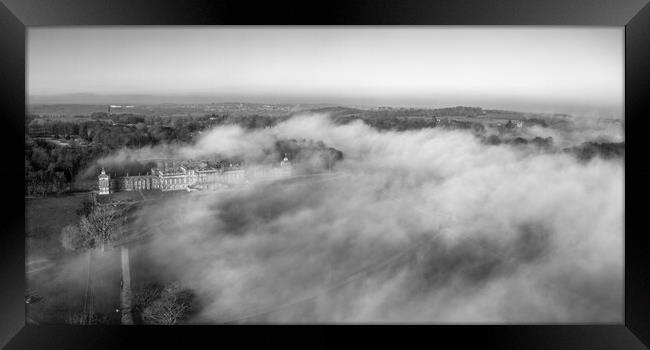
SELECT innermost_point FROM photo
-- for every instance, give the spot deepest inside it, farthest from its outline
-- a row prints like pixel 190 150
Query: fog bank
pixel 417 226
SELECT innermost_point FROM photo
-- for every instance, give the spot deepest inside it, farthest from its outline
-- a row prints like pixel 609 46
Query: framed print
pixel 469 173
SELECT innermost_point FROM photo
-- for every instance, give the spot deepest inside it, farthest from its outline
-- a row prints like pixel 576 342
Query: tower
pixel 104 182
pixel 285 162
pixel 285 166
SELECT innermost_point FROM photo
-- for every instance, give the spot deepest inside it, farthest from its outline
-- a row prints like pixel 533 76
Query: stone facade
pixel 186 177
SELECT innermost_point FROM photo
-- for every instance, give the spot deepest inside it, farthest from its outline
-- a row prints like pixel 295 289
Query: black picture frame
pixel 16 15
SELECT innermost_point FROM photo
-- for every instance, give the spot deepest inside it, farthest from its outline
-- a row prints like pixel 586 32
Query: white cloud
pixel 476 233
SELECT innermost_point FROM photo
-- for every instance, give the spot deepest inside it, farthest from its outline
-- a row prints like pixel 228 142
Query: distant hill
pixel 243 109
pixel 337 111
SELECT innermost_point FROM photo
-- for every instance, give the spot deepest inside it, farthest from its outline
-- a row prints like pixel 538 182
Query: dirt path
pixel 126 296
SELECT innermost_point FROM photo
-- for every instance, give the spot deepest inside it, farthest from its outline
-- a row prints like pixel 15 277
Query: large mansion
pixel 188 175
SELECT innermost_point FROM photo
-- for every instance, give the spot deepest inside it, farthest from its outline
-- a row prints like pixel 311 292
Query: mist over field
pixel 428 225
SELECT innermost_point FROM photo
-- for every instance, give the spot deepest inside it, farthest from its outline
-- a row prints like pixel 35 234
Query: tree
pixel 494 140
pixel 145 295
pixel 86 207
pixel 172 306
pixel 100 227
pixel 40 158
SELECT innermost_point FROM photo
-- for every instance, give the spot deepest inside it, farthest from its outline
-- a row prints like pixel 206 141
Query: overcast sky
pixel 551 68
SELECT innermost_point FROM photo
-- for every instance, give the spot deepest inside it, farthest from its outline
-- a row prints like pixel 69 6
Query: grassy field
pixel 63 287
pixel 59 276
pixel 44 219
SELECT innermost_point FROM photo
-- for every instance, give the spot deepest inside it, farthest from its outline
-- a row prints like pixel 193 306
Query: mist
pixel 428 226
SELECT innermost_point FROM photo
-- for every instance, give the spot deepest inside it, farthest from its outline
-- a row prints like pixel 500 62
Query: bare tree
pixel 171 307
pixel 100 227
pixel 145 295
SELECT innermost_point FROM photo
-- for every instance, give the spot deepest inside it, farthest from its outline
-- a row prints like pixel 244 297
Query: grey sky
pixel 540 67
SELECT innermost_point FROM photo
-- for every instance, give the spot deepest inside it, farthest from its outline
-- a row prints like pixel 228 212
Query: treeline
pixel 458 111
pixel 462 124
pixel 607 150
pixel 123 118
pixel 133 130
pixel 315 156
pixel 116 135
pixel 390 123
pixel 380 113
pixel 52 169
pixel 395 123
pixel 541 142
pixel 584 152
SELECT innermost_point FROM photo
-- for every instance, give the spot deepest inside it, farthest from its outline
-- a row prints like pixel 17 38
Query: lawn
pixel 44 219
pixel 58 276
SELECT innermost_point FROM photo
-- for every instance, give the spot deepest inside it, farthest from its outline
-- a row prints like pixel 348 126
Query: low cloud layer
pixel 417 226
